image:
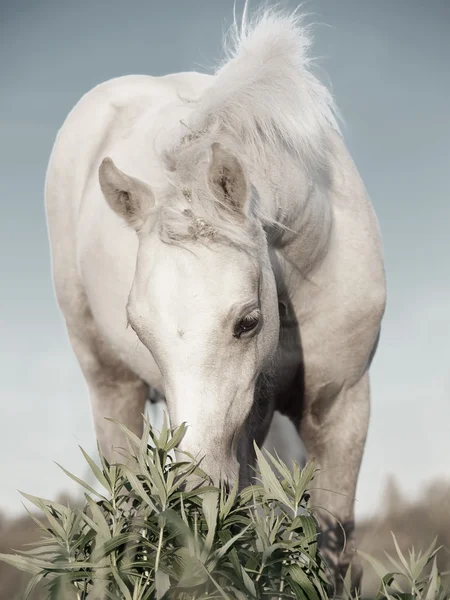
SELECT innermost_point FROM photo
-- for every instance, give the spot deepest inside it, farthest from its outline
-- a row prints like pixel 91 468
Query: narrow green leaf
pixel 222 551
pixel 296 588
pixel 99 519
pixel 377 566
pixel 123 588
pixel 81 482
pixel 113 543
pixel 230 500
pixel 137 485
pixel 400 555
pixel 398 566
pixel 164 435
pixel 304 480
pixel 38 522
pixel 135 441
pixel 38 502
pixel 34 581
pixel 33 566
pixel 390 580
pixel 177 437
pixel 434 582
pixel 280 466
pixel 250 586
pixel 46 507
pixel 269 479
pixel 162 584
pixel 96 471
pixel 210 511
pixel 300 577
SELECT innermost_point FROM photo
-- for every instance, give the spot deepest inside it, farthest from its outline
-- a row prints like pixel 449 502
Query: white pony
pixel 231 260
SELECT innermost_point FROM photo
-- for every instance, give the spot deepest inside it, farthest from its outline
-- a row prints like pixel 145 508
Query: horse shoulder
pixel 357 246
pixel 339 307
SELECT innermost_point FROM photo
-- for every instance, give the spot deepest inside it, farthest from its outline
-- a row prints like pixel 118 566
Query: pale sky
pixel 388 65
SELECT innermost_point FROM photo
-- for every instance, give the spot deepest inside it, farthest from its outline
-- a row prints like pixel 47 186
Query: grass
pixel 160 529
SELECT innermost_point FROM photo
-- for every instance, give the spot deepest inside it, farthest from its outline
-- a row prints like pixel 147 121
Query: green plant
pixel 409 574
pixel 162 530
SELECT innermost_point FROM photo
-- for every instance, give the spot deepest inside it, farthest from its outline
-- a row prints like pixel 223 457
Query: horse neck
pixel 300 205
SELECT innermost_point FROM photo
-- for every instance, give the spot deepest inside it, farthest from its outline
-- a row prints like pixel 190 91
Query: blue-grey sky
pixel 388 66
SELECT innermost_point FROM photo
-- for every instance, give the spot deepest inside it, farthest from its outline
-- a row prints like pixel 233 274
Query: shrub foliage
pixel 162 530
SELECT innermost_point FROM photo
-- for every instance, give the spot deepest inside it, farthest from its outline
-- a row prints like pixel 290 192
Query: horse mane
pixel 263 101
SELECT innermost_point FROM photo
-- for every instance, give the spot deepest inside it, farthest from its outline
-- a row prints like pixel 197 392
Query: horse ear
pixel 130 198
pixel 227 179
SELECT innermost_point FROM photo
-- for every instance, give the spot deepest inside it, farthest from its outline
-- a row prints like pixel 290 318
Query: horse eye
pixel 247 323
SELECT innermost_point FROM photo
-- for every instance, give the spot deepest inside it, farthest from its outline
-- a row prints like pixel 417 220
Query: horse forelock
pixel 195 216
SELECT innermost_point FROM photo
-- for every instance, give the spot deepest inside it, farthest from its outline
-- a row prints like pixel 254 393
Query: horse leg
pixel 115 391
pixel 333 430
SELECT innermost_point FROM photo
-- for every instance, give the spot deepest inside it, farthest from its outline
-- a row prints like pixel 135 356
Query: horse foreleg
pixel 121 398
pixel 334 432
pixel 115 391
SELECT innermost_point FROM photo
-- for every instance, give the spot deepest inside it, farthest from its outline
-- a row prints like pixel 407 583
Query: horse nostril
pixel 282 309
pixel 155 396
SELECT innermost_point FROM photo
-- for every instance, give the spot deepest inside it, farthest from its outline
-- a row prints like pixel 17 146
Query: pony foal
pixel 222 219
